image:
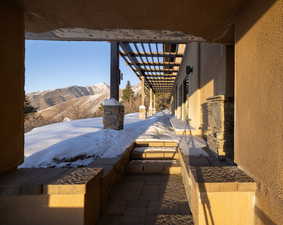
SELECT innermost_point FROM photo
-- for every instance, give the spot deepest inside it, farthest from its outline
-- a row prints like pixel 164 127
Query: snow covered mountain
pixel 72 102
pixel 44 99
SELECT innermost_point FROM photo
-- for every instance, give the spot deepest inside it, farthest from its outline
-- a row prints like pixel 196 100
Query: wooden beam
pixel 159 71
pixel 160 76
pixel 127 49
pixel 156 82
pixel 158 64
pixel 153 54
pixel 161 86
pixel 160 82
pixel 114 70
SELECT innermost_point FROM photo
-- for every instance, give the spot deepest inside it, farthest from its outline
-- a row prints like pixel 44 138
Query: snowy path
pixel 79 142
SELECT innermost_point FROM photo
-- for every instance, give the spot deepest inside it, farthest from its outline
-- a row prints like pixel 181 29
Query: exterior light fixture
pixel 189 69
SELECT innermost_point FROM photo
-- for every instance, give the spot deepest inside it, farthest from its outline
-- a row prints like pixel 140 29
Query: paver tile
pixel 148 200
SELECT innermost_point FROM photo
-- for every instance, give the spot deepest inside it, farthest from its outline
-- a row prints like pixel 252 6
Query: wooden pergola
pixel 157 64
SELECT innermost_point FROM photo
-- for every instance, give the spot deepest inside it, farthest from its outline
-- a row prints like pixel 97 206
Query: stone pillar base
pixel 142 112
pixel 220 125
pixel 113 117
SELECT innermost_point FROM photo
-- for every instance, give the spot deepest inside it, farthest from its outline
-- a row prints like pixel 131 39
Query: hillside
pixel 73 102
pixel 44 99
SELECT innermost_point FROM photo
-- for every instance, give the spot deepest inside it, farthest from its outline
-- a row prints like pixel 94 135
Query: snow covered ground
pixel 79 142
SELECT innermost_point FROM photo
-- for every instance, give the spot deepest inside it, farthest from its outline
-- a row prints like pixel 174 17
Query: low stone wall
pixel 217 194
pixel 51 196
pixel 218 125
pixel 71 196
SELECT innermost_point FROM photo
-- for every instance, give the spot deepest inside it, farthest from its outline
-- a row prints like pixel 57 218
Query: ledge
pixel 222 179
pixel 41 181
pixel 38 181
pixel 220 98
pixel 217 178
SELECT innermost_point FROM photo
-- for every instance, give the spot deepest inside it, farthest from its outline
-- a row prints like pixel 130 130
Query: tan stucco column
pixel 179 103
pixel 150 102
pixel 142 108
pixel 154 104
pixel 12 87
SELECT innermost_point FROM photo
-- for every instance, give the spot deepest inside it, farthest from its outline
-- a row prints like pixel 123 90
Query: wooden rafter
pixel 153 54
pixel 160 71
pixel 158 63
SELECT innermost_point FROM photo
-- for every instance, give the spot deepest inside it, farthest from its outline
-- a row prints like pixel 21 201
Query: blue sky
pixel 55 64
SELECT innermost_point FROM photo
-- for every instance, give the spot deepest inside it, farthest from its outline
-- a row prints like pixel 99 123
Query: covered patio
pixel 221 61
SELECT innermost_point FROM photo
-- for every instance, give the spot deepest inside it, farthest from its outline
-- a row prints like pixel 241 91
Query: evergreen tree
pixel 28 108
pixel 128 93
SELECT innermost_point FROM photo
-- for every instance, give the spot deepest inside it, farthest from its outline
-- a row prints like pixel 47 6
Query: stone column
pixel 12 53
pixel 220 125
pixel 142 108
pixel 113 117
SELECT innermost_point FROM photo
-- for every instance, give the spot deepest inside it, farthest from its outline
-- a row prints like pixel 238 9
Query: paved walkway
pixel 148 200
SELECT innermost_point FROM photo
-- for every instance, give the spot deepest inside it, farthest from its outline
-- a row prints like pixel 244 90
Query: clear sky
pixel 58 64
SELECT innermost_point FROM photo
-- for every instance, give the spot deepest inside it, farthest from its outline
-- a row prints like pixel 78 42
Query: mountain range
pixel 72 102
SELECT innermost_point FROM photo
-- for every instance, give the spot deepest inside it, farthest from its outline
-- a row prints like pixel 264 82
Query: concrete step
pixel 154 153
pixel 154 167
pixel 156 143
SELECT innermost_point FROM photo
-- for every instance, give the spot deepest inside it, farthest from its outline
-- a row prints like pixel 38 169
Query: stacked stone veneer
pixel 113 117
pixel 219 129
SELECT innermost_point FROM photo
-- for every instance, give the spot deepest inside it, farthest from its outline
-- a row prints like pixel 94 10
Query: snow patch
pixel 110 101
pixel 66 119
pixel 193 146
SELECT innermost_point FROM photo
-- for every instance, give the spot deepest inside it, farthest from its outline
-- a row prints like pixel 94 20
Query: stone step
pixel 155 153
pixel 156 143
pixel 154 167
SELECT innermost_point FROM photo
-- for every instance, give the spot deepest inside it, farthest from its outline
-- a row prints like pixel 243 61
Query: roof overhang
pixel 127 20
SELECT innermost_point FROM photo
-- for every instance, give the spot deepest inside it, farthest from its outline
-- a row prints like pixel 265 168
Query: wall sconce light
pixel 189 69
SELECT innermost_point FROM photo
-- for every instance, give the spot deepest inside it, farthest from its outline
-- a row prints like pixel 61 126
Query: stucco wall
pixel 259 104
pixel 194 108
pixel 12 87
pixel 212 70
pixel 209 62
pixel 192 105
